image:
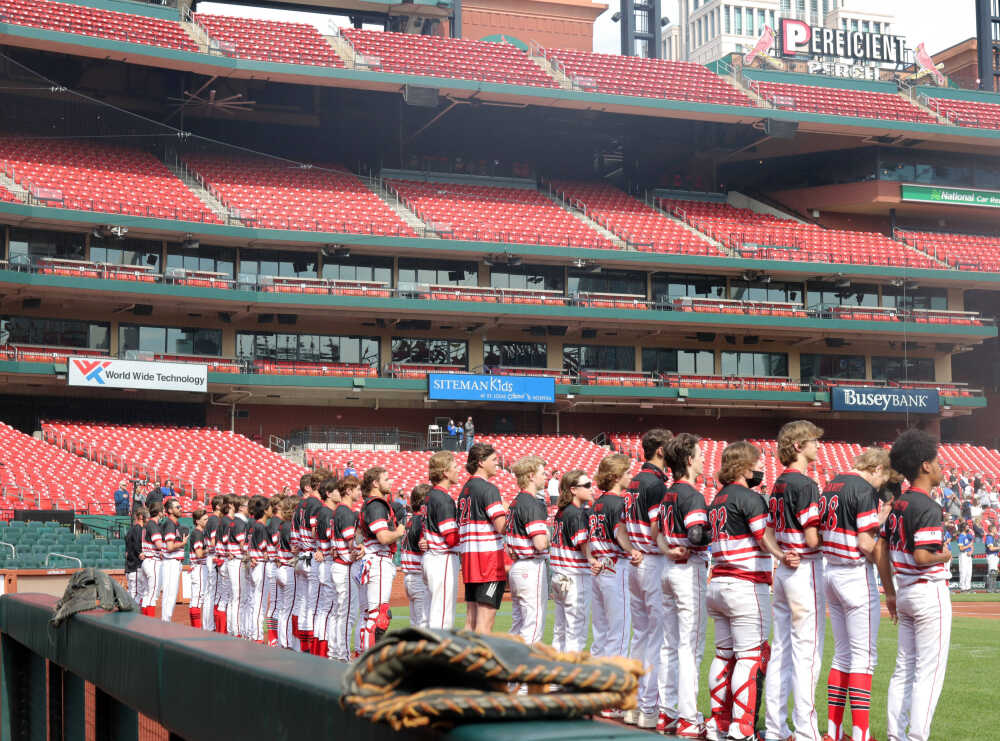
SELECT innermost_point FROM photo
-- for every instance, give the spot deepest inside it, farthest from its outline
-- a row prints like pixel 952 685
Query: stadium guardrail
pixel 123 675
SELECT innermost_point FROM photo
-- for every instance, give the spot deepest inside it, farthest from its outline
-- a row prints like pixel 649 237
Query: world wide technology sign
pixel 893 401
pixel 137 374
pixel 469 387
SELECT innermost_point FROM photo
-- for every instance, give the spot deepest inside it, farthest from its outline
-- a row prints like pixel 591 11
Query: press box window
pixel 516 354
pixel 423 351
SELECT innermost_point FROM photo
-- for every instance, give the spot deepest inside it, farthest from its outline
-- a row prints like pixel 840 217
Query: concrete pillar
pixel 484 275
pixel 956 299
pixel 942 368
pixel 475 350
pixel 794 364
pixel 554 355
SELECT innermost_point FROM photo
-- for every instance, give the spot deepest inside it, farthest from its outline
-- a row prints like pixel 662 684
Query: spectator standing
pixel 470 432
pixel 154 494
pixel 967 508
pixel 553 487
pixel 965 546
pixel 992 550
pixel 121 498
pixel 133 549
pixel 167 490
pixel 138 495
pixel 350 470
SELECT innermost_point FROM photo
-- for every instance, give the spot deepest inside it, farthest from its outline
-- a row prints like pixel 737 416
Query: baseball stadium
pixel 494 368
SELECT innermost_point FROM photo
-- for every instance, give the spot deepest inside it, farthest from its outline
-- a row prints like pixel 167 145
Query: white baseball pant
pixel 284 577
pixel 572 612
pixel 965 571
pixel 529 598
pixel 151 580
pixel 223 589
pixel 685 617
pixel 253 603
pixel 209 592
pixel 376 588
pixel 301 592
pixel 441 576
pixel 612 616
pixel 170 577
pixel 992 562
pixel 234 575
pixel 924 611
pixel 646 604
pixel 853 602
pixel 796 649
pixel 419 597
pixel 196 586
pixel 326 598
pixel 312 598
pixel 357 572
pixel 132 583
pixel 741 612
pixel 271 589
pixel 343 619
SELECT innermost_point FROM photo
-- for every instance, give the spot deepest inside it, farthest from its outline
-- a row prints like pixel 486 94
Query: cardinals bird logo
pixel 765 42
pixel 926 63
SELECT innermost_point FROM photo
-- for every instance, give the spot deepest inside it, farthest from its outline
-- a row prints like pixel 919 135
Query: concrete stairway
pixel 606 233
pixel 401 209
pixel 17 190
pixel 211 202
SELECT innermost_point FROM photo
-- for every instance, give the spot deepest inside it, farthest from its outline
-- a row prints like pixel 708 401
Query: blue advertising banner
pixel 898 401
pixel 469 387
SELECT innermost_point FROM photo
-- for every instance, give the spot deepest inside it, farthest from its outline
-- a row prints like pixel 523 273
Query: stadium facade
pixel 295 230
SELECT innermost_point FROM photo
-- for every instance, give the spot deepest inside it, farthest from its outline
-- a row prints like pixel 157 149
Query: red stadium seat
pixel 269 41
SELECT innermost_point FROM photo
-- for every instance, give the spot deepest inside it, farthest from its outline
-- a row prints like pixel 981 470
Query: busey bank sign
pixel 798 38
pixel 137 374
pixel 868 399
pixel 469 387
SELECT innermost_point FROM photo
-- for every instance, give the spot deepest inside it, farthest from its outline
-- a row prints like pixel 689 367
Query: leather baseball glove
pixel 417 677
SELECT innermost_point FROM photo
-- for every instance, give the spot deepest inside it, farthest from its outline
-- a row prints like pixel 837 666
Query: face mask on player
pixel 756 479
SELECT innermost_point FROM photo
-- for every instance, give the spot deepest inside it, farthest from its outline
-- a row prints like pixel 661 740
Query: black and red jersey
pixel 345 521
pixel 273 524
pixel 603 517
pixel 645 492
pixel 222 537
pixel 324 530
pixel 257 540
pixel 377 515
pixel 238 529
pixel 915 522
pixel 170 535
pixel 682 508
pixel 570 531
pixel 133 547
pixel 303 522
pixel 440 518
pixel 526 519
pixel 850 506
pixel 211 532
pixel 480 545
pixel 410 554
pixel 152 539
pixel 794 506
pixel 284 544
pixel 738 518
pixel 196 541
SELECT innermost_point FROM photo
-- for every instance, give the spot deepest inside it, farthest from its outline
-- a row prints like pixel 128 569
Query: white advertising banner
pixel 137 374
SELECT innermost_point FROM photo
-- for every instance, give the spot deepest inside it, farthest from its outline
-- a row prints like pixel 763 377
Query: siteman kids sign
pixel 469 387
pixel 135 374
pixel 898 401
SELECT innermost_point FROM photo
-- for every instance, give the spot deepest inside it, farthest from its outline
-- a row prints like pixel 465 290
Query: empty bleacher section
pixel 275 194
pixel 836 101
pixel 36 475
pixel 269 41
pixel 87 21
pixel 494 213
pixel 440 57
pixel 641 226
pixel 35 544
pixel 648 78
pixel 970 113
pixel 962 251
pixel 202 462
pixel 88 176
pixel 762 236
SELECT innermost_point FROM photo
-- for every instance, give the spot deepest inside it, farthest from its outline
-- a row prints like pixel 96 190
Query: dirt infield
pixel 987 610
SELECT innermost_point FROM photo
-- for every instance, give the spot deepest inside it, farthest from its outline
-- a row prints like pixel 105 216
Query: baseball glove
pixel 417 677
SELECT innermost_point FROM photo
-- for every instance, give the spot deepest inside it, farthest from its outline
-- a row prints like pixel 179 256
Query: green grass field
pixel 966 709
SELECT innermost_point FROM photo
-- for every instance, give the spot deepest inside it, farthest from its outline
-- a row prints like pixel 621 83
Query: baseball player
pixel 683 538
pixel 285 573
pixel 573 565
pixel 411 562
pixel 223 591
pixel 852 516
pixel 209 582
pixel 306 587
pixel 271 570
pixel 638 533
pixel 992 542
pixel 381 532
pixel 482 521
pixel 742 546
pixel 198 569
pixel 133 553
pixel 913 545
pixel 233 568
pixel 440 563
pixel 329 494
pixel 966 544
pixel 527 542
pixel 799 604
pixel 258 547
pixel 152 541
pixel 345 571
pixel 172 557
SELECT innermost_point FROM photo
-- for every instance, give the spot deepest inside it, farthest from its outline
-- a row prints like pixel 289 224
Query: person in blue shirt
pixel 167 490
pixel 122 497
pixel 965 546
pixel 992 549
pixel 350 470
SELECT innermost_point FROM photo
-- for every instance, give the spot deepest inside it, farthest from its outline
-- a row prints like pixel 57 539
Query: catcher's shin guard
pixel 719 677
pixel 194 614
pixel 747 688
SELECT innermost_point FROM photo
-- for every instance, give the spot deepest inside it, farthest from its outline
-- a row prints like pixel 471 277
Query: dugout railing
pixel 125 676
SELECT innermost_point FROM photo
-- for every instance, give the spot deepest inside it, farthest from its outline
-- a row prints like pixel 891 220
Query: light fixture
pixel 664 22
pixel 616 17
pixel 190 243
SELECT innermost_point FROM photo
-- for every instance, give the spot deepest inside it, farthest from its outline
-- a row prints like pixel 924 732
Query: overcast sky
pixel 917 20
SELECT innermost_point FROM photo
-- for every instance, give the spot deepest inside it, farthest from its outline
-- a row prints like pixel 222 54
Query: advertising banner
pixel 891 401
pixel 470 387
pixel 951 196
pixel 137 374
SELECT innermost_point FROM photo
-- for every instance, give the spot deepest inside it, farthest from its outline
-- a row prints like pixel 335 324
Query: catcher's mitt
pixel 416 677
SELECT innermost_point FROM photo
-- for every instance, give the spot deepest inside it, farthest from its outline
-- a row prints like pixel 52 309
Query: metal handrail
pixel 13 548
pixel 62 555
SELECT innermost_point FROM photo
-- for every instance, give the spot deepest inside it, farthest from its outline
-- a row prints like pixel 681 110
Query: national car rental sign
pixel 137 374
